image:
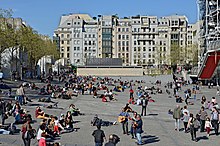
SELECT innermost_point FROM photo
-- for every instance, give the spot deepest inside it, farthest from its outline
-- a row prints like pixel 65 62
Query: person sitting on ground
pixel 179 99
pixel 69 120
pixel 104 99
pixel 40 113
pixel 74 111
pixel 127 108
pixel 57 126
pixel 18 119
pixel 43 91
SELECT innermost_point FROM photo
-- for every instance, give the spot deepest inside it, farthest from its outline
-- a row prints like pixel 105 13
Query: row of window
pixel 144 49
pixel 144 61
pixel 63 48
pixel 63 35
pixel 123 37
pixel 89 43
pixel 123 29
pixel 67 42
pixel 144 43
pixel 89 36
pixel 123 49
pixel 123 43
pixel 67 55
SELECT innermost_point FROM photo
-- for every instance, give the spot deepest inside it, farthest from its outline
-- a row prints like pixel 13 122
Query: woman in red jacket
pixel 42 141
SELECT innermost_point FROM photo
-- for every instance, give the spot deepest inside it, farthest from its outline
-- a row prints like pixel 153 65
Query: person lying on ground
pixel 97 121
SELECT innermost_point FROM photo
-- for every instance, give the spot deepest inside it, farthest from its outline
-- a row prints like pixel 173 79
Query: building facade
pixel 137 40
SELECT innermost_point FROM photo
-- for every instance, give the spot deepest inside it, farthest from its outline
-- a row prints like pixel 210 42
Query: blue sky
pixel 44 15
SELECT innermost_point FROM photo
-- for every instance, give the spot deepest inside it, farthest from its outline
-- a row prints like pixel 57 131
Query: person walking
pixel 26 129
pixel 144 103
pixel 177 115
pixel 208 125
pixel 215 119
pixel 99 136
pixel 202 114
pixel 123 119
pixel 139 130
pixel 193 124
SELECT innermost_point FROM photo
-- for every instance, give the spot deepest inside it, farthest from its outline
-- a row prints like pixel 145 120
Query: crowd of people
pixel 106 89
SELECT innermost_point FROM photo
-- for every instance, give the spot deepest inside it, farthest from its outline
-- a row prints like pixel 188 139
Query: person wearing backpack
pixel 193 124
pixel 26 129
pixel 215 119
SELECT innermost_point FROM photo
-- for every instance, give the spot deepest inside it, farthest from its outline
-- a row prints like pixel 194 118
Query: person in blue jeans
pixel 99 136
pixel 139 125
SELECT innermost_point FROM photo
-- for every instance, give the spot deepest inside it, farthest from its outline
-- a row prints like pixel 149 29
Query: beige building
pixel 138 40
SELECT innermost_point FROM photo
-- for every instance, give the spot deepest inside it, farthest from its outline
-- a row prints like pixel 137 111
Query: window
pixel 119 43
pixel 164 49
pixel 123 37
pixel 119 36
pixel 68 49
pixel 62 49
pixel 135 49
pixel 68 35
pixel 85 36
pixel 68 42
pixel 127 37
pixel 62 55
pixel 68 55
pixel 119 29
pixel 62 35
pixel 62 42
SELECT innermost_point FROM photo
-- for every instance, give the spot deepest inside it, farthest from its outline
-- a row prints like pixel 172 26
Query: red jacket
pixel 42 142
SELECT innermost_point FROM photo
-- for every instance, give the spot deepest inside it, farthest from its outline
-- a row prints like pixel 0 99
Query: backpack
pixel 195 123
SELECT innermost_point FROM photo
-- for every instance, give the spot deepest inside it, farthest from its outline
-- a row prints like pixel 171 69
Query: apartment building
pixel 106 36
pixel 138 40
pixel 78 38
pixel 123 41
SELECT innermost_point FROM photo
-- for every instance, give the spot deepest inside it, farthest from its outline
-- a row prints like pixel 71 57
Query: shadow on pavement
pixel 147 139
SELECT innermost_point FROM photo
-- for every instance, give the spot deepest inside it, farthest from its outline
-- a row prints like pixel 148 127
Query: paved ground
pixel 158 125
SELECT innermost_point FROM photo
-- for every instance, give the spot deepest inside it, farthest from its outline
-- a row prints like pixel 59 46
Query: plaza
pixel 158 124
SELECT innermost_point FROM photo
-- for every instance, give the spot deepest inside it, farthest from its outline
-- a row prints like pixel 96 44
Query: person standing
pixel 139 131
pixel 26 128
pixel 193 124
pixel 42 141
pixel 20 94
pixel 99 136
pixel 185 119
pixel 177 115
pixel 131 93
pixel 124 120
pixel 133 125
pixel 144 103
pixel 215 119
pixel 111 141
pixel 2 111
pixel 203 114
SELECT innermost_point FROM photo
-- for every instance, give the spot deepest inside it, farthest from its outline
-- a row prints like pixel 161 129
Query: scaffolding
pixel 208 15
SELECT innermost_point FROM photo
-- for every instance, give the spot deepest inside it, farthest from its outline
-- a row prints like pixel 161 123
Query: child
pixel 56 126
pixel 208 125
